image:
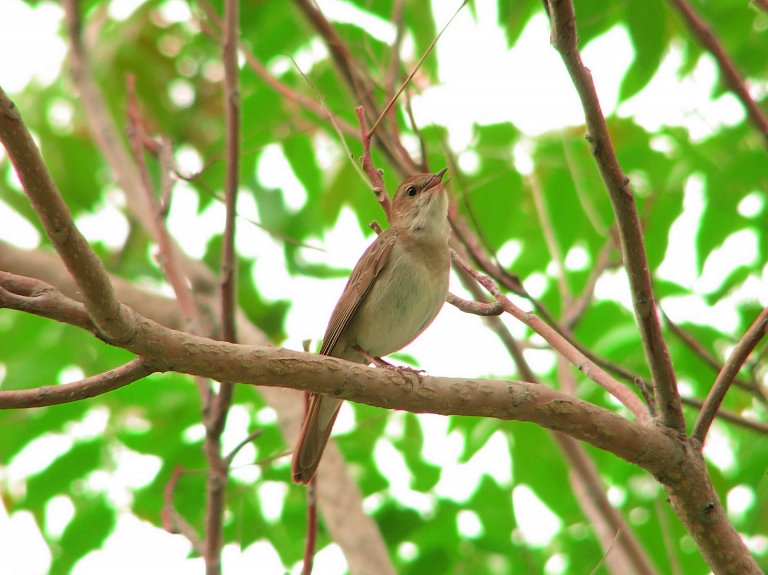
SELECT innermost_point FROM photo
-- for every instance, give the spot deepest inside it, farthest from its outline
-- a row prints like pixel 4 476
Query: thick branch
pixel 666 457
pixel 81 261
pixel 564 39
pixel 339 497
pixel 584 473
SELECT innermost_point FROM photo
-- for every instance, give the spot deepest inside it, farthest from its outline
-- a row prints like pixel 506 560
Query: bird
pixel 394 292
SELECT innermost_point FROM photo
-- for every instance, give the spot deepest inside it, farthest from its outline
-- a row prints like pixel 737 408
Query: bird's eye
pixel 411 191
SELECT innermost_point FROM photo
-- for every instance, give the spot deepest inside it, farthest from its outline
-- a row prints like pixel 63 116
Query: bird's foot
pixel 402 370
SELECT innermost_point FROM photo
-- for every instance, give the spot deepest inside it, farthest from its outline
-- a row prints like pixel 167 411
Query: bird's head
pixel 421 204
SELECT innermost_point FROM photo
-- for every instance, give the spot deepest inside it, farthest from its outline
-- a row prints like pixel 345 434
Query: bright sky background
pixel 478 75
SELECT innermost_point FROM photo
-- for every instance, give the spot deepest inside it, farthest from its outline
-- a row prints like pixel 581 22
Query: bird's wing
pixel 360 281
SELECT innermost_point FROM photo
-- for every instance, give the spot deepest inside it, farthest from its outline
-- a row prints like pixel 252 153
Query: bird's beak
pixel 435 180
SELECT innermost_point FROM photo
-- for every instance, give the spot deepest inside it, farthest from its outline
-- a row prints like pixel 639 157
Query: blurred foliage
pixel 157 417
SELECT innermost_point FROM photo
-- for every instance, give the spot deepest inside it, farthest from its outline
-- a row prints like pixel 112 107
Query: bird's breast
pixel 405 297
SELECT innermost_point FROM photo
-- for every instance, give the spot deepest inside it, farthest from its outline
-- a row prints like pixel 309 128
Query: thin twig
pixel 107 137
pixel 394 53
pixel 475 307
pixel 251 436
pixel 727 415
pixel 549 237
pixel 86 388
pixel 173 521
pixel 319 109
pixel 582 467
pixel 577 308
pixel 362 88
pixel 427 52
pixel 608 550
pixel 587 367
pixel 709 359
pixel 32 295
pixel 724 379
pixel 217 478
pixel 360 133
pixel 728 72
pixel 374 175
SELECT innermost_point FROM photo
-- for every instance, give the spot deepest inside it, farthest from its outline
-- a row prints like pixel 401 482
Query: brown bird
pixel 395 291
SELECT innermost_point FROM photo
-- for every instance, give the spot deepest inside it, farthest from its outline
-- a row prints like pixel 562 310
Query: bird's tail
pixel 314 436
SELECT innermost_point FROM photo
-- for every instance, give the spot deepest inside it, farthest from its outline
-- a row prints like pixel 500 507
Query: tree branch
pixel 109 141
pixel 173 521
pixel 374 175
pixel 710 360
pixel 728 72
pixel 362 88
pixel 670 460
pixel 90 275
pixel 565 41
pixel 33 296
pixel 92 386
pixel 726 376
pixel 339 497
pixel 560 344
pixel 287 93
pixel 475 307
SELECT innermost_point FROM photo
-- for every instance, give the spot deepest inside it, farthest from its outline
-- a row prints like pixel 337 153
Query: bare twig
pixel 362 88
pixel 579 305
pixel 317 108
pixel 309 547
pixel 427 52
pixel 251 436
pixel 34 296
pixel 92 386
pixel 587 367
pixel 724 379
pixel 727 415
pixel 584 474
pixel 564 39
pixel 217 417
pixel 730 75
pixel 374 175
pixel 709 359
pixel 107 137
pixel 173 522
pixel 475 307
pixel 394 53
pixel 549 237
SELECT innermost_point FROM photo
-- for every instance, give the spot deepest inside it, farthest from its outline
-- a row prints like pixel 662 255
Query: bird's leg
pixel 400 369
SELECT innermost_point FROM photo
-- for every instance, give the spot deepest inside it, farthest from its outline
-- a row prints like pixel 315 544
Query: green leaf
pixel 93 521
pixel 647 30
